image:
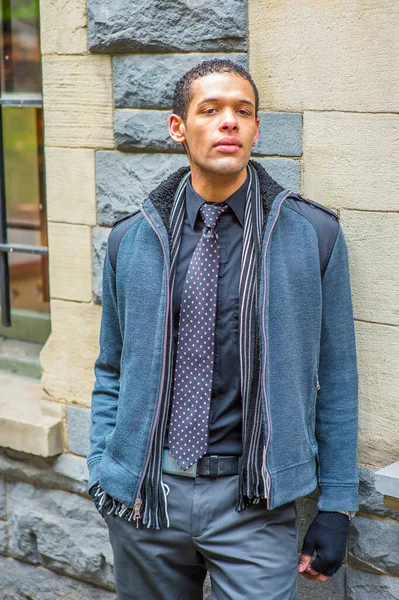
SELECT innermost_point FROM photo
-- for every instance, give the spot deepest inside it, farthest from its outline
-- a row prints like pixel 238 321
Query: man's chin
pixel 226 165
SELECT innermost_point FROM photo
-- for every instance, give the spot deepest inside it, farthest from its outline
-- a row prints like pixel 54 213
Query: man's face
pixel 221 125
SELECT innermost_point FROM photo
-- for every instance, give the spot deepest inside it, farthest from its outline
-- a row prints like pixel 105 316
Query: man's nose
pixel 229 120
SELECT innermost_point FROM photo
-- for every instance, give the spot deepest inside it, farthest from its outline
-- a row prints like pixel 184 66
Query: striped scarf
pixel 252 475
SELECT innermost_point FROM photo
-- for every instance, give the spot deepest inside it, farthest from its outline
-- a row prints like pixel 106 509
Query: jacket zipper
pixel 268 478
pixel 138 502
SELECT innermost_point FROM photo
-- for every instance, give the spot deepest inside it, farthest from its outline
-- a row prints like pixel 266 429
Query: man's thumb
pixel 304 562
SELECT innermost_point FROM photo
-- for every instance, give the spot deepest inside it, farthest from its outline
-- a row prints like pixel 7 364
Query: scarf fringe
pixel 107 505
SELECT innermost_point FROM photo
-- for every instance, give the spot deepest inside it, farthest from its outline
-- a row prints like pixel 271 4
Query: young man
pixel 226 384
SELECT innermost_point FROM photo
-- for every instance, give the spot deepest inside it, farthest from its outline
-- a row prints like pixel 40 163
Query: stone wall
pixel 337 66
pixel 108 74
pixel 53 542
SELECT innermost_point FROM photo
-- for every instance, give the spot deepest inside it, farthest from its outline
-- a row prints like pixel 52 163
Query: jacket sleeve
pixel 337 399
pixel 104 401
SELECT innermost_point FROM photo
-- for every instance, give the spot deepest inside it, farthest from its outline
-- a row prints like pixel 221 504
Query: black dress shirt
pixel 225 419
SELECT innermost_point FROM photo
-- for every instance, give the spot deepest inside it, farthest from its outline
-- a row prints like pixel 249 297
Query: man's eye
pixel 244 112
pixel 209 110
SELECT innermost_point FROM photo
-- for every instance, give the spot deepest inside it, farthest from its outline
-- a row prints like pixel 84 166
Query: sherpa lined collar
pixel 163 195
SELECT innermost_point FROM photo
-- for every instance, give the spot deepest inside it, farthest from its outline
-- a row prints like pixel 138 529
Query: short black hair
pixel 183 90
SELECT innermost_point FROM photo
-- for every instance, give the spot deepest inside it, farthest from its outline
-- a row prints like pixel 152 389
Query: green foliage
pixel 22 9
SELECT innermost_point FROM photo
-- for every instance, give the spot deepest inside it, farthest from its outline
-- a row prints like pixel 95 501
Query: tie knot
pixel 211 212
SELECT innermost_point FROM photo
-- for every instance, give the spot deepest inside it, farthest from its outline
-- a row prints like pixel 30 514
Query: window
pixel 24 290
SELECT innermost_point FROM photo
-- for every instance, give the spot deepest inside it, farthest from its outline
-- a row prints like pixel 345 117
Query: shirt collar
pixel 236 201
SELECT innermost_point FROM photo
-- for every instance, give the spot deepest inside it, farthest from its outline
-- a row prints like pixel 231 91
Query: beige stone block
pixel 378 363
pixel 325 55
pixel 78 104
pixel 373 248
pixel 27 423
pixel 68 356
pixel 70 185
pixel 70 261
pixel 63 27
pixel 352 160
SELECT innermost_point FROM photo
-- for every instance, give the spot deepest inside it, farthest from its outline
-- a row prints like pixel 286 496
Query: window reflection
pixel 25 205
pixel 21 70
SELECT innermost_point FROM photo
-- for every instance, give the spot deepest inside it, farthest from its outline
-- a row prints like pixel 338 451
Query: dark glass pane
pixel 20 47
pixel 22 133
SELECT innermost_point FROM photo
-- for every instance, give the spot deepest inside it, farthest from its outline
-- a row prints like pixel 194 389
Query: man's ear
pixel 177 129
pixel 256 136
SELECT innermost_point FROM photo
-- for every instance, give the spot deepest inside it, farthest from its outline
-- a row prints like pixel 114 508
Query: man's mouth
pixel 228 145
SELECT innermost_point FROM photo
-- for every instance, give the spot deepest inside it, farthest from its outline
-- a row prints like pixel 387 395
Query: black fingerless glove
pixel 327 536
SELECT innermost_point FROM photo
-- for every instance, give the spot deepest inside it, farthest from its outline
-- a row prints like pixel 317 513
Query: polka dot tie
pixel 192 386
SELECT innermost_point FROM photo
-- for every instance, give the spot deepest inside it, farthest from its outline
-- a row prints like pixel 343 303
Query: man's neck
pixel 216 187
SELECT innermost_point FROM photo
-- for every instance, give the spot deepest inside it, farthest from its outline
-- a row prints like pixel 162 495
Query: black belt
pixel 207 466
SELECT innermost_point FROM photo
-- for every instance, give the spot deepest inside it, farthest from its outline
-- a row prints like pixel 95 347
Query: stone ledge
pixel 370 500
pixel 387 483
pixel 20 357
pixel 28 423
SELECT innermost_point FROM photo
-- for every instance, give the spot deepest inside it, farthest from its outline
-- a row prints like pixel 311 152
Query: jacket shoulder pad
pixel 324 220
pixel 120 227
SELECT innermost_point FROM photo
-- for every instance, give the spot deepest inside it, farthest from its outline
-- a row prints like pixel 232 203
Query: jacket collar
pixel 163 195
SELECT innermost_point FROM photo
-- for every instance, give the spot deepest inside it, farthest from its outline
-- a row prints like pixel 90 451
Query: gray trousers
pixel 250 555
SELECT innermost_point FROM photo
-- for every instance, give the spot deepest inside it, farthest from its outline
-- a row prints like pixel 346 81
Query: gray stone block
pixel 306 511
pixel 333 589
pixel 371 501
pixel 280 134
pixel 373 545
pixel 148 80
pixel 64 471
pixel 21 581
pixel 3 506
pixel 99 241
pixel 286 171
pixel 3 538
pixel 124 180
pixel 78 421
pixel 361 585
pixel 137 130
pixel 59 531
pixel 157 26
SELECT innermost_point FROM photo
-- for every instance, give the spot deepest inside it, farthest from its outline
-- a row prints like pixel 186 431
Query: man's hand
pixel 327 536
